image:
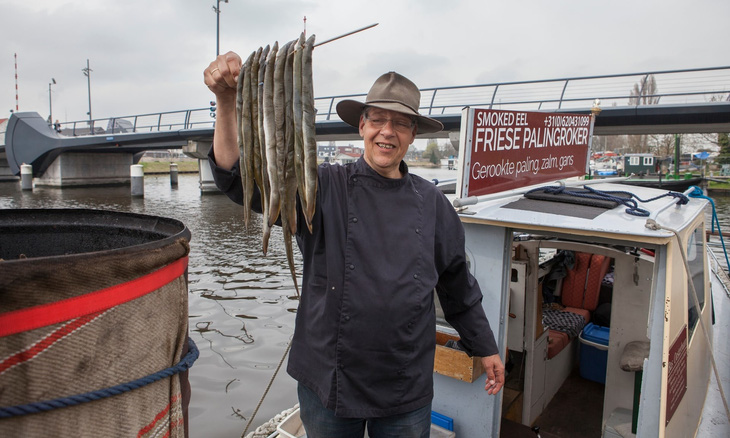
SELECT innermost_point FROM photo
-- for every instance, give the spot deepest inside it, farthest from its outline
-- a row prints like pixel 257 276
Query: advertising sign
pixel 677 373
pixel 504 150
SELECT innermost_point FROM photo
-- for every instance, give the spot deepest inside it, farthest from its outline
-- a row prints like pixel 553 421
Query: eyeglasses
pixel 400 125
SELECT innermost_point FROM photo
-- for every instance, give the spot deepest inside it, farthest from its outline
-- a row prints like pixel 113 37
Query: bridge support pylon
pixel 87 169
pixel 199 149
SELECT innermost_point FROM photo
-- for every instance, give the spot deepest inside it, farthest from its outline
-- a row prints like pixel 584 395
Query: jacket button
pixel 354 220
pixel 415 276
pixel 418 231
pixel 352 267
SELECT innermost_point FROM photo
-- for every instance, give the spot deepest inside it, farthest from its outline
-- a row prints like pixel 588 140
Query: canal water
pixel 242 304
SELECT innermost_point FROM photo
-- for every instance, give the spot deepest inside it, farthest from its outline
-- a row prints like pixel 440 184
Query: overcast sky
pixel 148 56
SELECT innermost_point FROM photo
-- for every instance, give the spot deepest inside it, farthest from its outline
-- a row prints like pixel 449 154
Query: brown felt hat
pixel 393 92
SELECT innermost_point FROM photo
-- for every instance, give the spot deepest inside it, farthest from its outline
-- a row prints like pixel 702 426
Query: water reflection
pixel 241 305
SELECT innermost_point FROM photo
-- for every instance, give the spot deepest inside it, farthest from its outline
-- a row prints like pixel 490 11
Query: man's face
pixel 387 136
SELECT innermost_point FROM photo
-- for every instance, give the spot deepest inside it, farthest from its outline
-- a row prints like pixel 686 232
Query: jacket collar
pixel 362 168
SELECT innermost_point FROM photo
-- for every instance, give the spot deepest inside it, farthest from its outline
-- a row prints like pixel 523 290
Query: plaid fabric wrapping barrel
pixel 78 323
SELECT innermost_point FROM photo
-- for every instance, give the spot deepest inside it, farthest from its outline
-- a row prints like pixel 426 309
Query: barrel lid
pixel 38 233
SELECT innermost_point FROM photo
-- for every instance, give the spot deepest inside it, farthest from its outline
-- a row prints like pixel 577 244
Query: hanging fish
pixel 276 137
pixel 308 131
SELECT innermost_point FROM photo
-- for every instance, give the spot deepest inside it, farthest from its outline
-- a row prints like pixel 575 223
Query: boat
pixel 447 185
pixel 677 185
pixel 607 166
pixel 645 367
pixel 605 299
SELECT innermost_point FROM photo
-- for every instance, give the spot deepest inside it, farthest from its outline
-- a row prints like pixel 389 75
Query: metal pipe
pixel 471 200
pixel 87 72
pixel 217 10
pixel 50 101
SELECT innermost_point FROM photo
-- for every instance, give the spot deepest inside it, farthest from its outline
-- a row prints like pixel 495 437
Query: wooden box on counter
pixel 455 363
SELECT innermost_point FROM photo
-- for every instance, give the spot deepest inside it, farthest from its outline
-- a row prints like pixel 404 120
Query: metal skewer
pixel 346 34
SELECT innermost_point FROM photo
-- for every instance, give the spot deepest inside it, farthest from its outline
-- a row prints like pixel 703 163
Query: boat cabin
pixel 600 314
pixel 645 164
pixel 596 316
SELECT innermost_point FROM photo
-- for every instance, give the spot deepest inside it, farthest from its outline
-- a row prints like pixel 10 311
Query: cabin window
pixel 696 261
pixel 634 161
pixel 648 161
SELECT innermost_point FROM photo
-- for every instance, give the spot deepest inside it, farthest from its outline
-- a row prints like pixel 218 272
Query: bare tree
pixel 663 145
pixel 643 93
pixel 614 143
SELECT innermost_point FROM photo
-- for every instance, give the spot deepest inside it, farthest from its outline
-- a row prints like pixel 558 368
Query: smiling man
pixel 388 122
pixel 382 242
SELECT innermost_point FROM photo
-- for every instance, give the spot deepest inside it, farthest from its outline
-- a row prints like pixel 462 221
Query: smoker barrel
pixel 93 322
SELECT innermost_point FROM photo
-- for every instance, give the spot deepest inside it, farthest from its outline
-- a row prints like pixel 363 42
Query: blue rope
pixel 698 193
pixel 62 402
pixel 632 206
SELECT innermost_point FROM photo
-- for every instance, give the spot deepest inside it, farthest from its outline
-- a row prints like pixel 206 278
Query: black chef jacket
pixel 364 339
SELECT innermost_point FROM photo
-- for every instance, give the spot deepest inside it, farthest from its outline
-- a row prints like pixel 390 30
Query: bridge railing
pixel 656 87
pixel 153 122
pixel 670 87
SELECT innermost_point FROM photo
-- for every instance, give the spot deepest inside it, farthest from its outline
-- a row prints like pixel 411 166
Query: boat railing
pixel 473 200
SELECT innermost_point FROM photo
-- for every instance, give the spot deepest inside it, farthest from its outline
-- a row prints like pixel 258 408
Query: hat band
pixel 370 102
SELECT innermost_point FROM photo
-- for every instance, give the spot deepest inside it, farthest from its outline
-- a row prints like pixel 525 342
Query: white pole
pixel 137 173
pixel 26 177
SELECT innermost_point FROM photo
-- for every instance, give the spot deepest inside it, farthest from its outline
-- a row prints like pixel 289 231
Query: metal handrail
pixel 685 83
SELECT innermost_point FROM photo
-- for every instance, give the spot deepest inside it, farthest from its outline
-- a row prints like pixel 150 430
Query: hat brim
pixel 350 110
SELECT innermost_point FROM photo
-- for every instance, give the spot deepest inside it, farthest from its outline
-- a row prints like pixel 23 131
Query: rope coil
pixel 62 402
pixel 628 199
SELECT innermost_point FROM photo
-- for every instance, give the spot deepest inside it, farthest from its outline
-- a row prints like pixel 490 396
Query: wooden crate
pixel 455 363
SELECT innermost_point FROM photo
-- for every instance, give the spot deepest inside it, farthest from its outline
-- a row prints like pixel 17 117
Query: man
pixel 382 241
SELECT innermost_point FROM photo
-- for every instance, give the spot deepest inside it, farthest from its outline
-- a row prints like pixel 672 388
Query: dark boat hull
pixel 679 185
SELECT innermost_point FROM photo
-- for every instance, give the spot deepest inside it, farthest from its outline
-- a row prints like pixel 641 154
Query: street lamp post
pixel 50 101
pixel 217 10
pixel 87 72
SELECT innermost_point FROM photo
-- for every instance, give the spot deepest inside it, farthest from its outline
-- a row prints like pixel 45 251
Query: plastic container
pixel 594 352
pixel 291 426
pixel 442 420
pixel 440 432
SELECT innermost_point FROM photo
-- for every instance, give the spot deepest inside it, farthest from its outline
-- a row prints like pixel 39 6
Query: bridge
pixel 668 102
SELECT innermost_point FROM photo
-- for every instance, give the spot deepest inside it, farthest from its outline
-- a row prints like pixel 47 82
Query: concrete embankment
pixel 163 167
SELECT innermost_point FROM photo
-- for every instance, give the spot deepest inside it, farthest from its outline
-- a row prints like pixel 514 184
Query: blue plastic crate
pixel 442 420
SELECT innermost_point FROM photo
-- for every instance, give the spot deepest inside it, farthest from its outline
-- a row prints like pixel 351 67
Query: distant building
pixel 3 128
pixel 345 158
pixel 350 150
pixel 331 152
pixel 326 153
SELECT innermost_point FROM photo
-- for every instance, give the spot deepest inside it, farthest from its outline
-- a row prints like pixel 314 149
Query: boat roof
pixel 515 210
